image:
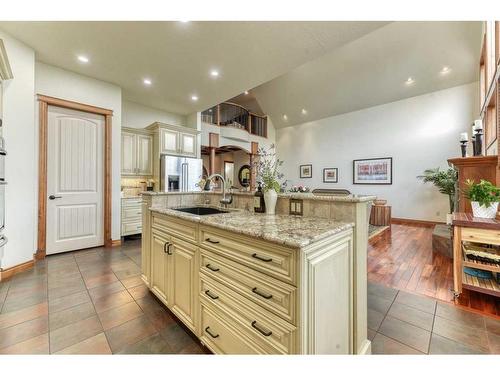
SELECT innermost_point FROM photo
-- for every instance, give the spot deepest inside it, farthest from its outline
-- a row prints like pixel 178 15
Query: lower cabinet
pixel 160 266
pixel 185 268
pixel 174 276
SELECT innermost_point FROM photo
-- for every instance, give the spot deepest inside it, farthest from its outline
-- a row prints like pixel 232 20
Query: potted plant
pixel 267 166
pixel 484 198
pixel 446 182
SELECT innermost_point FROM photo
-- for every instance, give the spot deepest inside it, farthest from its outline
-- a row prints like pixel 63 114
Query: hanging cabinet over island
pixel 251 283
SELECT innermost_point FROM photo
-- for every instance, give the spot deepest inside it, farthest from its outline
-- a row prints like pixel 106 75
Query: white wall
pixel 63 84
pixel 20 166
pixel 418 133
pixel 136 115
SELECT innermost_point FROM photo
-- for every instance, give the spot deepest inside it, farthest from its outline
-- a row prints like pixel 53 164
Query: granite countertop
pixel 293 231
pixel 130 197
pixel 352 198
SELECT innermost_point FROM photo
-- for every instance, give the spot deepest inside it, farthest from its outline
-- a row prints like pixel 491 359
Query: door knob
pixel 52 197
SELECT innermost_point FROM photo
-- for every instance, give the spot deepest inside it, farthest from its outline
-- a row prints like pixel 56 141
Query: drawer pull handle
pixel 213 296
pixel 168 249
pixel 165 247
pixel 257 256
pixel 211 241
pixel 211 268
pixel 265 332
pixel 263 295
pixel 207 330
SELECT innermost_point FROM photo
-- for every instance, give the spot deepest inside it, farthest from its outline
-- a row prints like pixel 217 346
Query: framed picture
pixel 376 171
pixel 306 171
pixel 330 175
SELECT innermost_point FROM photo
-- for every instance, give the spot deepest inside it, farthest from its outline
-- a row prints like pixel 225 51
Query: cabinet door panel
pixel 169 141
pixel 188 144
pixel 129 153
pixel 144 155
pixel 185 276
pixel 159 267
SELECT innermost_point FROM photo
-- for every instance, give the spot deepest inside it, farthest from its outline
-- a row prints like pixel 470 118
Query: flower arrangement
pixel 267 166
pixel 299 189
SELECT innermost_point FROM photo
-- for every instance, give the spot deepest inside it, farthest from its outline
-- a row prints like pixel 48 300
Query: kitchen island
pixel 255 283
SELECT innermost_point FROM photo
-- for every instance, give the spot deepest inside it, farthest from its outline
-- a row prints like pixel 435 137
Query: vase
pixel 483 211
pixel 270 198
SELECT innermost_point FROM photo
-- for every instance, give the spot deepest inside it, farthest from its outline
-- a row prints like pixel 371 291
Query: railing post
pixel 250 123
pixel 218 115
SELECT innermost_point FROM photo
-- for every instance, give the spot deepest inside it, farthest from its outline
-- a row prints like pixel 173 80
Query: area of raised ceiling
pixel 178 57
pixel 374 70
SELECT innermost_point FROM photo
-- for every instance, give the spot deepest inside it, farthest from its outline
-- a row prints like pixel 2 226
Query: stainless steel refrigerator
pixel 179 173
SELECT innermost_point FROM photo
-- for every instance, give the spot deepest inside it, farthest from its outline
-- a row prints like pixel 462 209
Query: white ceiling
pixel 372 70
pixel 178 56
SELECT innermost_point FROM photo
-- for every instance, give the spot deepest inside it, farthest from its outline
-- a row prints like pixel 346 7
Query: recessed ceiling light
pixel 184 21
pixel 214 73
pixel 147 81
pixel 246 92
pixel 194 98
pixel 445 70
pixel 83 59
pixel 304 111
pixel 410 81
pixel 285 117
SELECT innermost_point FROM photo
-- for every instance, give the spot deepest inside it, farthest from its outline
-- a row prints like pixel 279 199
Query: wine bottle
pixel 258 200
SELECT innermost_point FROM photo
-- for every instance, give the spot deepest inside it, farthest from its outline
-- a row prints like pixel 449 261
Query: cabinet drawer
pixel 486 236
pixel 271 259
pixel 184 229
pixel 266 330
pixel 273 295
pixel 131 228
pixel 220 337
pixel 132 202
pixel 132 214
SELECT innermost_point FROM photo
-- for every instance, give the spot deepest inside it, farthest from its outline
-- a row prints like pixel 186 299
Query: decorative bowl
pixel 379 202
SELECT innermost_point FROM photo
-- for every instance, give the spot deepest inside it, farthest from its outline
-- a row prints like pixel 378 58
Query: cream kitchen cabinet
pixel 175 267
pixel 176 142
pixel 240 294
pixel 137 153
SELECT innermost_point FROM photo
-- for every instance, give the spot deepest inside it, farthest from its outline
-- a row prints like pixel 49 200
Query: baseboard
pixel 116 243
pixel 7 273
pixel 414 222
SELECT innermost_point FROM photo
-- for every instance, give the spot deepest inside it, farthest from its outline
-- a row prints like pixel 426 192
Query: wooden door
pixel 169 141
pixel 184 281
pixel 75 172
pixel 144 155
pixel 129 153
pixel 160 266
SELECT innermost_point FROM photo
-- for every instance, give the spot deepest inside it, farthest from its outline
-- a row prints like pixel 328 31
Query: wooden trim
pixel 423 223
pixel 42 180
pixel 376 236
pixel 11 271
pixel 74 105
pixel 115 243
pixel 44 102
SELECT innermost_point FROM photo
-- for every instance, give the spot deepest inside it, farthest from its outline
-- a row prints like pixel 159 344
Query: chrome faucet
pixel 224 201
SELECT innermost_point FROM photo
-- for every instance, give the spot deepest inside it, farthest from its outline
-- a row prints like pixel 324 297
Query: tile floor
pixel 403 323
pixel 88 302
pixel 93 301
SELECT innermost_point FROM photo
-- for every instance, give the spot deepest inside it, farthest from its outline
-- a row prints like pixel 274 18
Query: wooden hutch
pixel 486 167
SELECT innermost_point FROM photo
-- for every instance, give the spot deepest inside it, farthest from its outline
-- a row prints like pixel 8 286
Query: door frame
pixel 43 107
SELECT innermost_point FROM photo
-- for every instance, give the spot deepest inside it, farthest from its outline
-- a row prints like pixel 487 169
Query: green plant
pixel 445 181
pixel 485 193
pixel 267 167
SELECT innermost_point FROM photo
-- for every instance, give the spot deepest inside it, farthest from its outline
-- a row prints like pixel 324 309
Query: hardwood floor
pixel 402 258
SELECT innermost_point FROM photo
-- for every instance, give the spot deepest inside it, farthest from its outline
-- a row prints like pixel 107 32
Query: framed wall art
pixel 306 171
pixel 377 171
pixel 330 175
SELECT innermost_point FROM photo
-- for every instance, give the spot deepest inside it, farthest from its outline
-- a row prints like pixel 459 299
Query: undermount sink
pixel 200 210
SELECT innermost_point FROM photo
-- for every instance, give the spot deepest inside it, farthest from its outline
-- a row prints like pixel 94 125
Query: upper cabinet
pixel 137 153
pixel 176 140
